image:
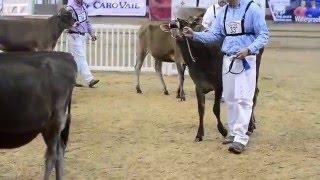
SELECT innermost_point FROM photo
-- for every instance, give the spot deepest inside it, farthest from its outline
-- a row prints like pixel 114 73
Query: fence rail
pixel 115 49
pixel 15 9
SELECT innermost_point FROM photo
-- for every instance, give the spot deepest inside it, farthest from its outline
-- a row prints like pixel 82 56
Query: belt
pixel 229 54
pixel 245 63
pixel 75 32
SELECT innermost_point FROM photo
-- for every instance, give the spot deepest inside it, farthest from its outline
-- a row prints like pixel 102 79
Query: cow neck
pixel 55 20
pixel 187 51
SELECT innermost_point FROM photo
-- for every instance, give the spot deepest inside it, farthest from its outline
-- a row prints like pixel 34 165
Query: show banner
pixel 306 11
pixel 116 7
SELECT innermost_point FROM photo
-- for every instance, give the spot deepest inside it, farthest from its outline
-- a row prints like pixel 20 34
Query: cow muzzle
pixel 174 27
pixel 175 33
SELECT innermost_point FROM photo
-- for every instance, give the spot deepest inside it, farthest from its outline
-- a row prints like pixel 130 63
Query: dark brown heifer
pixel 28 34
pixel 205 69
pixel 35 97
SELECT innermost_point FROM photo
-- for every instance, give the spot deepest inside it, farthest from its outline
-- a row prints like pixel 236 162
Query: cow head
pixel 175 27
pixel 66 17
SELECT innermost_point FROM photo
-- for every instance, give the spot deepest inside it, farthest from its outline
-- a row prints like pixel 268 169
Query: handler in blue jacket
pixel 242 25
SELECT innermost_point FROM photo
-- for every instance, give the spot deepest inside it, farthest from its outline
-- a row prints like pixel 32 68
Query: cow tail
pixel 65 132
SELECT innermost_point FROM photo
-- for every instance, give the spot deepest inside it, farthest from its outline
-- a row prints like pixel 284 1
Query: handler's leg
pixel 239 92
pixel 77 46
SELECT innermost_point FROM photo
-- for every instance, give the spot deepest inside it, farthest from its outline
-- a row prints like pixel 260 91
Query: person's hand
pixel 242 53
pixel 188 32
pixel 93 37
pixel 76 24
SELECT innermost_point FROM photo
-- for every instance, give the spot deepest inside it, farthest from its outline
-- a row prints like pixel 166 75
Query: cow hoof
pixel 78 85
pixel 222 100
pixel 249 133
pixel 182 98
pixel 139 91
pixel 198 139
pixel 251 128
pixel 166 92
pixel 223 131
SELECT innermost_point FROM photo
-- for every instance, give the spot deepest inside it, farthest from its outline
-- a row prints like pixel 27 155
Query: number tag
pixel 233 27
pixel 82 17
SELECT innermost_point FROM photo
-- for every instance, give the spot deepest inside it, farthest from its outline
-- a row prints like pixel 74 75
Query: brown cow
pixel 163 48
pixel 25 34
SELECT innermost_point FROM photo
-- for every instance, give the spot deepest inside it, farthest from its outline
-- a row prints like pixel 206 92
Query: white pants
pixel 77 47
pixel 238 90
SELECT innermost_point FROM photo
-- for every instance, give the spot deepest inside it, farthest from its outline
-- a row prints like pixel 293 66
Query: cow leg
pixel 55 150
pixel 158 68
pixel 201 105
pixel 64 119
pixel 51 137
pixel 59 161
pixel 216 111
pixel 252 124
pixel 137 68
pixel 180 92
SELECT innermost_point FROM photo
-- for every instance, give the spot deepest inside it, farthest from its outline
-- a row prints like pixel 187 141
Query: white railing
pixel 115 49
pixel 17 9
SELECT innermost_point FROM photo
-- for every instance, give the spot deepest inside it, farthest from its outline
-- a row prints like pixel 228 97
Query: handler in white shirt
pixel 212 12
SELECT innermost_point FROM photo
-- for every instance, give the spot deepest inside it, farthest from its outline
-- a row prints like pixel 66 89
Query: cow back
pixel 23 34
pixel 31 87
pixel 160 44
pixel 187 12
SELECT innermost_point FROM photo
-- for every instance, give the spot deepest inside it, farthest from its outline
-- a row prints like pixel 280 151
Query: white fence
pixel 115 49
pixel 16 9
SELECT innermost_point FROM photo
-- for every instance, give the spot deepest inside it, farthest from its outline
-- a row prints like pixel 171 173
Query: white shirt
pixel 210 15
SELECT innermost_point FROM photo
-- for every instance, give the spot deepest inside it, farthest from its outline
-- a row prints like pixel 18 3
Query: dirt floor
pixel 118 134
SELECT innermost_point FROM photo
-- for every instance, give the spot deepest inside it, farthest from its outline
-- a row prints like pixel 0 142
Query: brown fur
pixel 29 34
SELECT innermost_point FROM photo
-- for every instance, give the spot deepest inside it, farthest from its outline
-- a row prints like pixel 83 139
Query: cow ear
pixel 59 12
pixel 165 27
pixel 62 10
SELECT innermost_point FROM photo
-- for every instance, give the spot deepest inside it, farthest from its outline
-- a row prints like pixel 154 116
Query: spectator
pixel 212 12
pixel 159 9
pixel 77 40
pixel 313 12
pixel 301 10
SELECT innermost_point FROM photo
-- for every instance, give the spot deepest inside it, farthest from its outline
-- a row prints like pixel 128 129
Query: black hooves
pixel 222 131
pixel 198 139
pixel 182 98
pixel 78 85
pixel 139 91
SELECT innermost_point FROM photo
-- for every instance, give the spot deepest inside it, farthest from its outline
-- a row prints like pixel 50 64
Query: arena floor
pixel 118 134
